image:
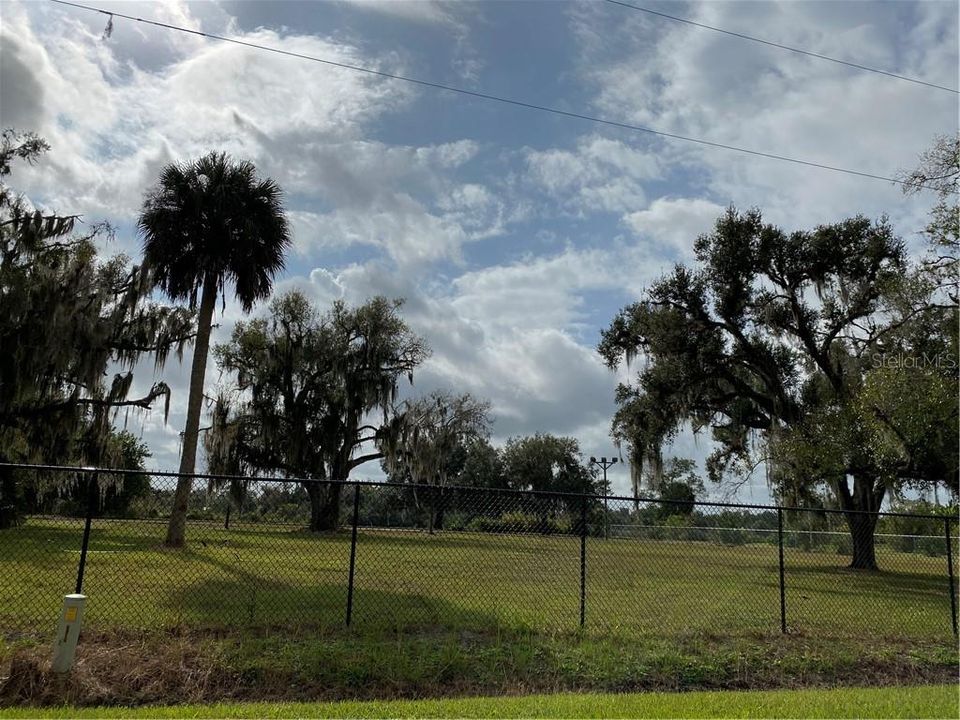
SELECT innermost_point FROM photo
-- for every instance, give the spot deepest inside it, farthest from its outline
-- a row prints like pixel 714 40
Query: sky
pixel 514 236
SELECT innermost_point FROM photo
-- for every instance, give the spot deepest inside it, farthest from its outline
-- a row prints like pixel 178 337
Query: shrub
pixel 519 522
pixel 732 536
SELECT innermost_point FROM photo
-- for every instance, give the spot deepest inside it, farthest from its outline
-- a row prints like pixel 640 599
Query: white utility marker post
pixel 68 632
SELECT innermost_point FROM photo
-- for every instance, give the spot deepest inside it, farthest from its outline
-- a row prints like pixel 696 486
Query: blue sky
pixel 514 235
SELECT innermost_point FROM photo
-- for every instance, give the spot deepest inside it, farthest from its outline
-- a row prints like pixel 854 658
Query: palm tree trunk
pixel 176 529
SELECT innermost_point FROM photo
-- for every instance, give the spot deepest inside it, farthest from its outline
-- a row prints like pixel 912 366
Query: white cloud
pixel 424 11
pixel 398 199
pixel 600 174
pixel 674 223
pixel 112 126
pixel 694 82
pixel 401 226
pixel 536 374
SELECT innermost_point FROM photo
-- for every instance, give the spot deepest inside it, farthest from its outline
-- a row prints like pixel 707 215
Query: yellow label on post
pixel 70 615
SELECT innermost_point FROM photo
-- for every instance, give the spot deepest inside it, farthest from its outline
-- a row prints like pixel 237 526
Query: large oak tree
pixel 768 341
pixel 313 393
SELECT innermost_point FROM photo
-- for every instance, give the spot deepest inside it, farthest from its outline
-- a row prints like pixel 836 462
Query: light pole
pixel 604 463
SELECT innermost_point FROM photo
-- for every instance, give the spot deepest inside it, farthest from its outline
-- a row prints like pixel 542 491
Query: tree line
pixel 827 356
pixel 309 393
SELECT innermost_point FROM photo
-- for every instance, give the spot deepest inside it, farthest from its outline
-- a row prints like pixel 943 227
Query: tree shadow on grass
pixel 888 584
pixel 240 597
pixel 234 603
pixel 884 602
pixel 39 543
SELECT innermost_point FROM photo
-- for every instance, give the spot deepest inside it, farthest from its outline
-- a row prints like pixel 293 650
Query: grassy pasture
pixel 259 575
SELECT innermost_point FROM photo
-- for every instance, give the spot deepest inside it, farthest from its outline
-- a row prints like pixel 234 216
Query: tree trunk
pixel 330 513
pixel 861 506
pixel 176 529
pixel 862 534
pixel 435 509
pixel 324 506
pixel 315 493
pixel 9 500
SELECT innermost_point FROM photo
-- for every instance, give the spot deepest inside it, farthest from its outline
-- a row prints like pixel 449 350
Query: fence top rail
pixel 492 491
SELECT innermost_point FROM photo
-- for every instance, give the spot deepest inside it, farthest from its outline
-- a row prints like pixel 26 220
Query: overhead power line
pixel 751 38
pixel 487 96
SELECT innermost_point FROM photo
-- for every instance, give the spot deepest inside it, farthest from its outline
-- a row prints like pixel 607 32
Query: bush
pixel 930 546
pixel 732 536
pixel 518 522
pixel 917 534
pixel 676 527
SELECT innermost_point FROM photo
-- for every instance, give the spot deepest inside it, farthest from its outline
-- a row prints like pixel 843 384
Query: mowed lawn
pixel 939 701
pixel 268 575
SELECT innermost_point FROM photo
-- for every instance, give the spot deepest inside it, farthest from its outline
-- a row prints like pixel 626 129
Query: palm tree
pixel 206 224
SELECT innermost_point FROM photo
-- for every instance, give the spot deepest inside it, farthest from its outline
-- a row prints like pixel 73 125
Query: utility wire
pixel 782 47
pixel 494 98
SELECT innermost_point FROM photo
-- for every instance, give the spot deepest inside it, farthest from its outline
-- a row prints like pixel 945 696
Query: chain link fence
pixel 404 558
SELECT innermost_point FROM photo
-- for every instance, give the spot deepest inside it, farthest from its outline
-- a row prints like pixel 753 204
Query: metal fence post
pixel 783 589
pixel 606 518
pixel 583 561
pixel 92 486
pixel 953 589
pixel 353 550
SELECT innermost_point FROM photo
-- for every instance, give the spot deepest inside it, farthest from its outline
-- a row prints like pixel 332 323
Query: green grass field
pixel 938 701
pixel 258 612
pixel 257 575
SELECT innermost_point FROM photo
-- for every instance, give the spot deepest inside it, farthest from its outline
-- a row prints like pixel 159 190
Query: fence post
pixel 353 550
pixel 953 590
pixel 606 517
pixel 226 519
pixel 92 487
pixel 583 561
pixel 783 589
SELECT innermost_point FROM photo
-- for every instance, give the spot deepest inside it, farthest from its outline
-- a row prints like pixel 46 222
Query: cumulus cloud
pixel 517 352
pixel 674 223
pixel 400 200
pixel 113 125
pixel 600 174
pixel 691 81
pixel 424 11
